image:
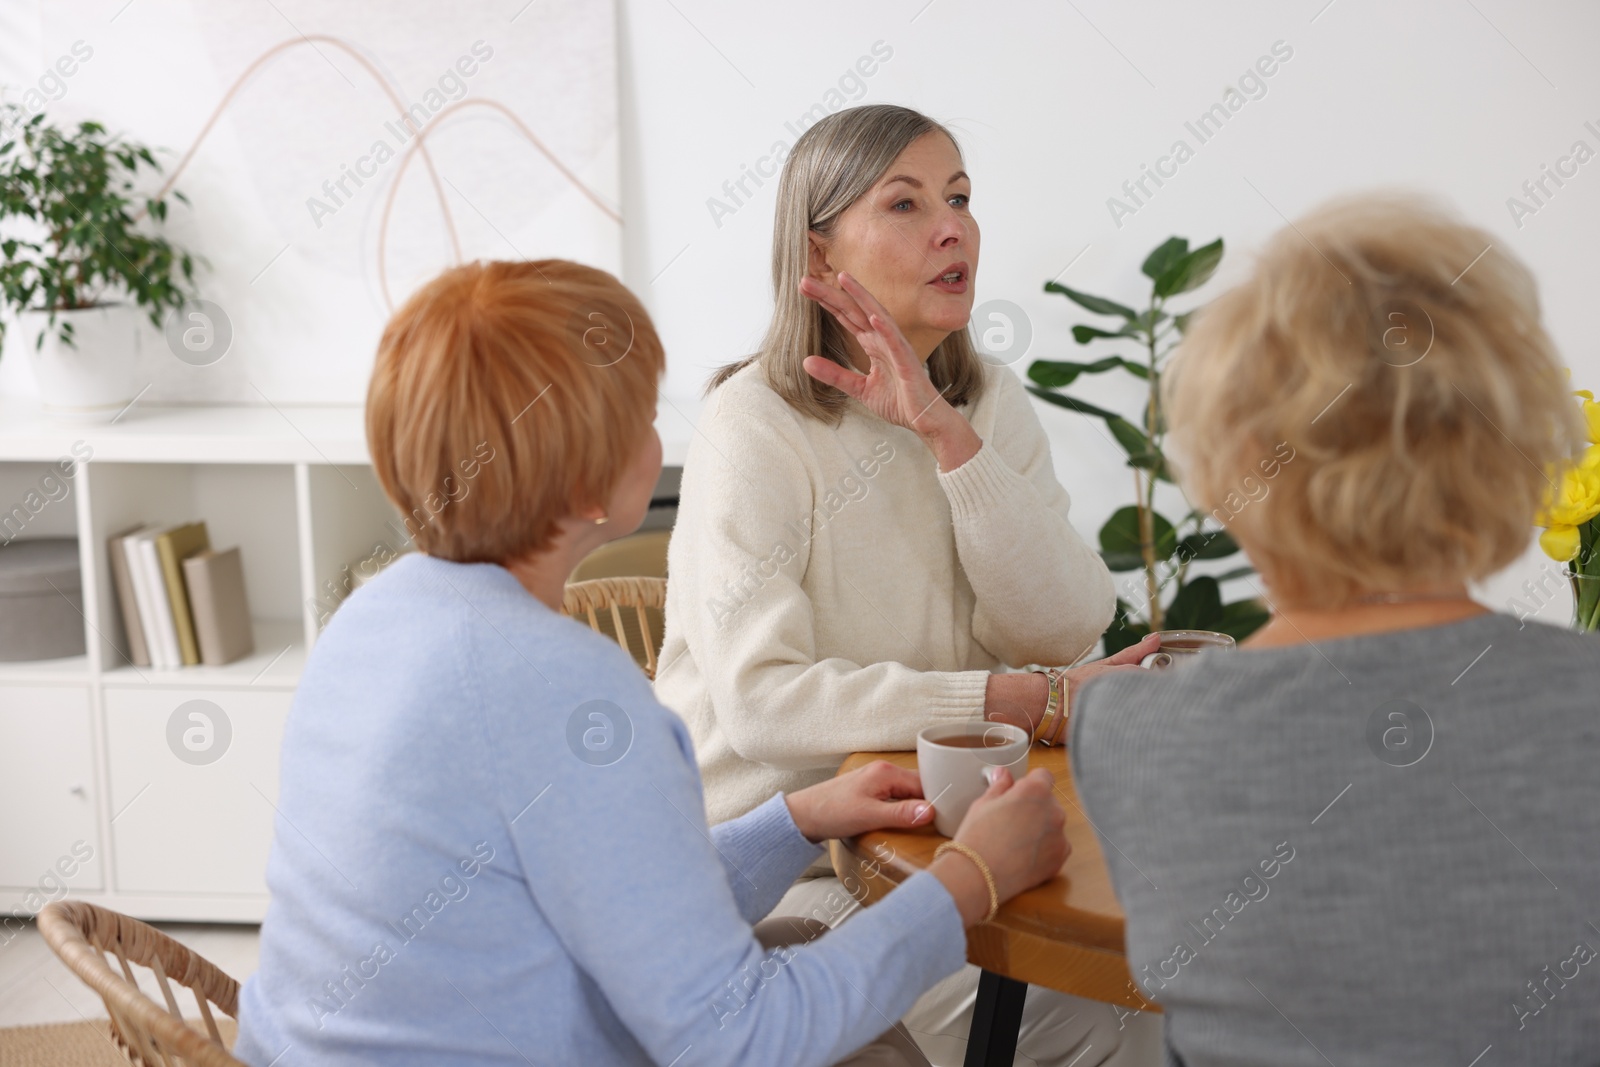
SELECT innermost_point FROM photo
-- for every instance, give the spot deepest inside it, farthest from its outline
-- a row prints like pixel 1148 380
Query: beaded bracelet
pixel 983 868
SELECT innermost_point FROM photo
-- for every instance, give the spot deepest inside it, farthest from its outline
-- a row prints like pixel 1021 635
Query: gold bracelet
pixel 1049 727
pixel 1061 723
pixel 1040 730
pixel 983 868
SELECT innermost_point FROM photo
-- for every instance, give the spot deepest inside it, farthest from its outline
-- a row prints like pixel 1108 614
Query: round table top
pixel 1065 934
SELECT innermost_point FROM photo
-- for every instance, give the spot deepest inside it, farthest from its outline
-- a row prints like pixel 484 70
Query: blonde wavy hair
pixel 1396 356
pixel 832 165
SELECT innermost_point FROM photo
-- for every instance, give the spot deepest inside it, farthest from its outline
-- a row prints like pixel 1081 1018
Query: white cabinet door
pixel 48 841
pixel 194 781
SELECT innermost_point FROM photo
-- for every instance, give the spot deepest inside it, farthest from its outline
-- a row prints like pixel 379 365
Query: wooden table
pixel 1065 934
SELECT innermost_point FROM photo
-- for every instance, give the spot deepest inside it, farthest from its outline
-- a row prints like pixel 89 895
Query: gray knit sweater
pixel 1380 849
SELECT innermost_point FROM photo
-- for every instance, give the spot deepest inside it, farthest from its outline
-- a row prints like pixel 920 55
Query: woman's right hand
pixel 1017 828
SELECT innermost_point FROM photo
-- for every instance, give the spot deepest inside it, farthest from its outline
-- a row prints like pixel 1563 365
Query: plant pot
pixel 96 377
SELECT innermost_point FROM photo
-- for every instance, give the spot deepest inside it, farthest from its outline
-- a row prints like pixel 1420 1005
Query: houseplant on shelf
pixel 1571 518
pixel 1138 536
pixel 77 266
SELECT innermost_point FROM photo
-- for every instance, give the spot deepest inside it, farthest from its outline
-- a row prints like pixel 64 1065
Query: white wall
pixel 1058 104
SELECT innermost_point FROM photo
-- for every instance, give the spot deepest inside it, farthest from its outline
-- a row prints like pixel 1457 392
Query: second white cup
pixel 952 759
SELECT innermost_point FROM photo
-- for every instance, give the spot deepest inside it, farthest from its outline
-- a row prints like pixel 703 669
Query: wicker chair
pixel 600 603
pixel 82 933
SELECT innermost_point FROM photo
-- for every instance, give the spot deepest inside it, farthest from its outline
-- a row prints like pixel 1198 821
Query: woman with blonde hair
pixel 491 845
pixel 870 527
pixel 1373 826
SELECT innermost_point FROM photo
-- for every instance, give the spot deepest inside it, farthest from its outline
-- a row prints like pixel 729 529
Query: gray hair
pixel 831 166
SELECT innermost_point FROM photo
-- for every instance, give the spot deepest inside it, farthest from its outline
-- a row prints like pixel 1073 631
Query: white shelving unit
pixel 85 762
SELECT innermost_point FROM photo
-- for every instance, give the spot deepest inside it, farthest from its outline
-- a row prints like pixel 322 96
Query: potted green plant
pixel 1138 536
pixel 79 266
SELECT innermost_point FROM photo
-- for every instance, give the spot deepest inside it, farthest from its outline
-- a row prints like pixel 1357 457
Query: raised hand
pixel 896 387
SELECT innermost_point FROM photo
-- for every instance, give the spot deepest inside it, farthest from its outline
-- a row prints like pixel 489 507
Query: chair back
pixel 637 554
pixel 82 934
pixel 627 610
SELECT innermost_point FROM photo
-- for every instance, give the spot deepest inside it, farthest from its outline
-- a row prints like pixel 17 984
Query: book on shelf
pixel 182 604
pixel 215 581
pixel 122 579
pixel 173 546
pixel 149 593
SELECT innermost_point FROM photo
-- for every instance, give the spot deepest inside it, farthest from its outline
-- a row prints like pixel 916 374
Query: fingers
pixel 900 788
pixel 1000 780
pixel 914 813
pixel 897 782
pixel 842 305
pixel 1039 779
pixel 828 372
pixel 864 299
pixel 1134 653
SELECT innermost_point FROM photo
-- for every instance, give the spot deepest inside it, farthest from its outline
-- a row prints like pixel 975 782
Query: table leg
pixel 996 1018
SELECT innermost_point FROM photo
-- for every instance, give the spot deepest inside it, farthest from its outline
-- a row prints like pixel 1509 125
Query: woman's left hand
pixel 1117 661
pixel 879 796
pixel 896 387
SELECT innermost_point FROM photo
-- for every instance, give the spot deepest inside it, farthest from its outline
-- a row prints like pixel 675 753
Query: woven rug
pixel 86 1044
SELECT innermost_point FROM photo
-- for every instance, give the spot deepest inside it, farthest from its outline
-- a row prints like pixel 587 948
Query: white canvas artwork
pixel 335 156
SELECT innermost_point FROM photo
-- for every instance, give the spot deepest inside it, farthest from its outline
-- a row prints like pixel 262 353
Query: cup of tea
pixel 1179 645
pixel 955 759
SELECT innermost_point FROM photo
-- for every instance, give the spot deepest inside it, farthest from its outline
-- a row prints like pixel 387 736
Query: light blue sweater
pixel 491 847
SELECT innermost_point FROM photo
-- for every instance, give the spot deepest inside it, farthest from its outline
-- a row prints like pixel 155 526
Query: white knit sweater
pixel 830 591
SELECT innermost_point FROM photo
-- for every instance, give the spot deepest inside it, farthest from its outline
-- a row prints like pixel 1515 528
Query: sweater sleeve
pixel 748 621
pixel 762 853
pixel 1043 595
pixel 620 861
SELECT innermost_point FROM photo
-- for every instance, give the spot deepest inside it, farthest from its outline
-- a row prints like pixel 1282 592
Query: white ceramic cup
pixel 954 776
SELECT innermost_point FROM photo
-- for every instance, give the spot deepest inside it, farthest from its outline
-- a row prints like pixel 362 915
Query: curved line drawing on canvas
pixel 437 123
pixel 419 147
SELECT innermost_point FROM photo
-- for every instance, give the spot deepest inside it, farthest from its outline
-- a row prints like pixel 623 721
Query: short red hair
pixel 505 397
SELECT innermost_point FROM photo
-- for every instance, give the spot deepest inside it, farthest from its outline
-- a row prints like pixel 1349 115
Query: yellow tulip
pixel 1591 413
pixel 1574 502
pixel 1560 543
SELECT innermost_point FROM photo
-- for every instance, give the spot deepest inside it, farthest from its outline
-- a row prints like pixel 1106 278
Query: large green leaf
pixel 1198 606
pixel 1211 544
pixel 1120 534
pixel 1061 400
pixel 1122 561
pixel 1141 453
pixel 1165 255
pixel 1084 334
pixel 1097 304
pixel 1236 572
pixel 1242 618
pixel 1190 272
pixel 1059 373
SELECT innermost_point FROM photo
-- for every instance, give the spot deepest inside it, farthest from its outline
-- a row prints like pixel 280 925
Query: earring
pixel 602 520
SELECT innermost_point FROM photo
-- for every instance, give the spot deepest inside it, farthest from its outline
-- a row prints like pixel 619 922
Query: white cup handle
pixel 1156 659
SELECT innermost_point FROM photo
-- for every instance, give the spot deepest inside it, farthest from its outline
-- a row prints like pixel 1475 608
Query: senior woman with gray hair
pixel 1368 835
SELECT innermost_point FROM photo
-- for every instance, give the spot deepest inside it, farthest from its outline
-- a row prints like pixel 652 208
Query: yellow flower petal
pixel 1560 543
